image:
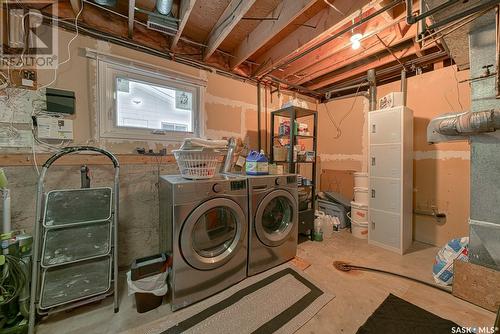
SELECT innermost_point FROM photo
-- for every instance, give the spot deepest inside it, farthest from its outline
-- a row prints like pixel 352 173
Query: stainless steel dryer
pixel 203 224
pixel 273 205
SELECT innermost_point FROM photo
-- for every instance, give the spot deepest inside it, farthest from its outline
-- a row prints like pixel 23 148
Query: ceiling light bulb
pixel 356 41
pixel 136 100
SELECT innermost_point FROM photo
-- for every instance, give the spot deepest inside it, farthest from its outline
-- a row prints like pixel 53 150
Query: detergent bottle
pixel 251 163
pixel 257 163
pixel 262 163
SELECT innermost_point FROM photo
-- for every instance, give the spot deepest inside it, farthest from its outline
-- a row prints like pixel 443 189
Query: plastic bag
pixel 157 284
pixel 443 265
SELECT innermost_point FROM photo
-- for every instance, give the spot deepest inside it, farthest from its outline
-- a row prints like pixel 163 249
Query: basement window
pixel 138 103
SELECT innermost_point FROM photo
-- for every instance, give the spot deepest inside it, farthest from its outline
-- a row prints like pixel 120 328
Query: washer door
pixel 275 217
pixel 212 233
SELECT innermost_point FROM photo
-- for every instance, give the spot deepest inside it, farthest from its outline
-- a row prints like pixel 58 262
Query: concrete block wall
pixel 138 213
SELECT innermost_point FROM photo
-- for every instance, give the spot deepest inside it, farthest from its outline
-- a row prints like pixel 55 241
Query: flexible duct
pixel 164 7
pixel 470 123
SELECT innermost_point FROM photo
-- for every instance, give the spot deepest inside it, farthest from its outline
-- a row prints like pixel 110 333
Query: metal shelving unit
pixel 306 217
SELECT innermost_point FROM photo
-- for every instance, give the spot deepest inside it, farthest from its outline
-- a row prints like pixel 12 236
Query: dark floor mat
pixel 397 316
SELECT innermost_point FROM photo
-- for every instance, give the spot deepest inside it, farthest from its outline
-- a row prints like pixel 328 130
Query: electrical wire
pixel 332 119
pixel 68 47
pixel 458 88
pixel 12 279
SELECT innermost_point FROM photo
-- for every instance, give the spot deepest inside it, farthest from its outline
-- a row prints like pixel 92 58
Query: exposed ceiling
pixel 302 45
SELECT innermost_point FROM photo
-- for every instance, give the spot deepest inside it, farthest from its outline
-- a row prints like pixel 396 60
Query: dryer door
pixel 275 216
pixel 213 233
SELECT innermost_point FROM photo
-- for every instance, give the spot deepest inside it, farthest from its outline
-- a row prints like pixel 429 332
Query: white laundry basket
pixel 198 164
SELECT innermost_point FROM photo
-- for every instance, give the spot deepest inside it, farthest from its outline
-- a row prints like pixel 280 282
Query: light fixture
pixel 136 100
pixel 356 41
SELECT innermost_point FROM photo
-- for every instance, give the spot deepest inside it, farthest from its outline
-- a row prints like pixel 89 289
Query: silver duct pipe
pixel 404 86
pixel 455 126
pixel 470 123
pixel 164 7
pixel 372 80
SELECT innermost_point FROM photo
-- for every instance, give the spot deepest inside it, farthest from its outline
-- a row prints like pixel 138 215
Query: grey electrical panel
pixel 60 101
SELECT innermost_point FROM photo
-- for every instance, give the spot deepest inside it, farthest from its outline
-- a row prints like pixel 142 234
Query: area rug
pixel 396 316
pixel 280 300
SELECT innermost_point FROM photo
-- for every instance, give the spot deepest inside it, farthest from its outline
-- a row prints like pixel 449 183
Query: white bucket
pixel 359 230
pixel 359 212
pixel 360 180
pixel 361 195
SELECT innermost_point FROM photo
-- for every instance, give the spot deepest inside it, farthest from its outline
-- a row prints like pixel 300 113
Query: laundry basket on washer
pixel 198 164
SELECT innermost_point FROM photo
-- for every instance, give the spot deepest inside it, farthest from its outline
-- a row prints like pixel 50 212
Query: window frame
pixel 109 69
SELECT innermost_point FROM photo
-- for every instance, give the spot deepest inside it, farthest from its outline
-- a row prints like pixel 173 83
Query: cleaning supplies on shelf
pixel 257 163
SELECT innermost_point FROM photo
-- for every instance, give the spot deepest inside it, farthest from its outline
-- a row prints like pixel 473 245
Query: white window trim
pixel 108 66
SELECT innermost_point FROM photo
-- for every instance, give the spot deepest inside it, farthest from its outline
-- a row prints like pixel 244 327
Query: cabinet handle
pixel 373 161
pixel 373 193
pixel 373 225
pixel 374 128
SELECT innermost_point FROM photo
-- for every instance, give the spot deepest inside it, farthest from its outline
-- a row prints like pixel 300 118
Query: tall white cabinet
pixel 390 166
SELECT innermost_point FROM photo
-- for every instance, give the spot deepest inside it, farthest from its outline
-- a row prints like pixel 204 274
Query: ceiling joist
pixel 226 23
pixel 325 22
pixel 286 12
pixel 186 7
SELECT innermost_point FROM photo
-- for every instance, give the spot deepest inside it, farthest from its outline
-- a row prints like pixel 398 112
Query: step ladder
pixel 75 243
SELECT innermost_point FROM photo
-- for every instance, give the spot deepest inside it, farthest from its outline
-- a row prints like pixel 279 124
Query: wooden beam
pixel 131 17
pixel 388 15
pixel 351 71
pixel 226 23
pixel 287 11
pixel 76 5
pixel 311 65
pixel 186 7
pixel 318 62
pixel 84 158
pixel 325 23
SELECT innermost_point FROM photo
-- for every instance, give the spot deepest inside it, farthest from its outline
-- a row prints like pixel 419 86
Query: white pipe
pixel 6 226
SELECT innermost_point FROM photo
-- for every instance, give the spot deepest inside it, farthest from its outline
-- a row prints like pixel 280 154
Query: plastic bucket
pixel 359 230
pixel 359 212
pixel 361 195
pixel 360 180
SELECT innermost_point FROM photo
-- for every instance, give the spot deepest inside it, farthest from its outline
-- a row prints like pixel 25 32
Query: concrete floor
pixel 358 294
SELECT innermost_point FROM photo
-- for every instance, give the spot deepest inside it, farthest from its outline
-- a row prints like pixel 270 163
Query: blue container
pixel 257 164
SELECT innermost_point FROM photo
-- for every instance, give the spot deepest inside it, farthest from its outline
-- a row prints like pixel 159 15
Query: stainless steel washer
pixel 203 224
pixel 273 232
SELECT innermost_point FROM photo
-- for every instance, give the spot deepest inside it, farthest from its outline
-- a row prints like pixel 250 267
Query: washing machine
pixel 203 225
pixel 273 221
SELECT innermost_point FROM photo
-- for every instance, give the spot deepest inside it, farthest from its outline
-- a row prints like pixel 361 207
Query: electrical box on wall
pixel 60 101
pixel 54 128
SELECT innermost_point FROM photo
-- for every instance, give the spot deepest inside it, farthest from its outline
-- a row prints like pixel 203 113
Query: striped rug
pixel 280 300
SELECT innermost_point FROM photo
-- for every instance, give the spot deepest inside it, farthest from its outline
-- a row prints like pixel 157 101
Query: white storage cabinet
pixel 390 166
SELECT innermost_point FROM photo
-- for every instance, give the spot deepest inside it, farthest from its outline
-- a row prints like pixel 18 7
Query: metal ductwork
pixel 450 127
pixel 479 126
pixel 162 19
pixel 164 7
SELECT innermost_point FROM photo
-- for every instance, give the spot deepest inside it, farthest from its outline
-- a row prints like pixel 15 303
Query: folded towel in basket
pixel 198 143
